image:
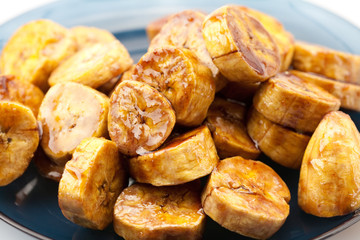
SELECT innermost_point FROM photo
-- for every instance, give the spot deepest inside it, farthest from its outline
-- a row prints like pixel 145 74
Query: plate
pixel 30 202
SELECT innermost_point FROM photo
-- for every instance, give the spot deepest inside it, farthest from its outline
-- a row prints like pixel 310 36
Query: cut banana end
pixel 183 159
pixel 146 212
pixel 282 145
pixel 329 182
pixel 246 197
pixel 91 182
pixel 240 46
pixel 69 113
pixel 226 121
pixel 140 118
pixel 292 102
pixel 88 36
pixel 178 74
pixel 19 138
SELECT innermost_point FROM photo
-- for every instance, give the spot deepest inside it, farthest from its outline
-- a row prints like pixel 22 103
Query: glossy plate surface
pixel 30 203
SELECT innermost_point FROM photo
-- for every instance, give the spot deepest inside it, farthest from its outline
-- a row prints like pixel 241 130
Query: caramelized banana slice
pixel 226 122
pixel 246 197
pixel 19 139
pixel 91 182
pixel 46 167
pixel 93 66
pixel 183 159
pixel 281 144
pixel 35 50
pixel 292 102
pixel 328 62
pixel 88 36
pixel 146 212
pixel 25 93
pixel 329 182
pixel 240 46
pixel 154 27
pixel 140 118
pixel 178 74
pixel 69 113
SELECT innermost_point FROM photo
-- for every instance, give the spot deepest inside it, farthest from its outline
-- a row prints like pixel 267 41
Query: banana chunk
pixel 328 62
pixel 146 212
pixel 329 183
pixel 35 50
pixel 93 66
pixel 246 197
pixel 12 89
pixel 91 182
pixel 69 113
pixel 293 102
pixel 178 74
pixel 282 145
pixel 240 46
pixel 183 159
pixel 19 138
pixel 154 27
pixel 46 167
pixel 140 118
pixel 226 121
pixel 88 36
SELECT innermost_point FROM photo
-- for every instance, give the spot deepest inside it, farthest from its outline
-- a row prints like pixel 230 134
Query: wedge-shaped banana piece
pixel 293 102
pixel 329 182
pixel 183 159
pixel 91 182
pixel 46 167
pixel 240 46
pixel 93 66
pixel 178 74
pixel 35 50
pixel 154 27
pixel 12 89
pixel 140 118
pixel 88 36
pixel 328 62
pixel 240 91
pixel 146 212
pixel 246 197
pixel 226 121
pixel 19 138
pixel 281 144
pixel 69 113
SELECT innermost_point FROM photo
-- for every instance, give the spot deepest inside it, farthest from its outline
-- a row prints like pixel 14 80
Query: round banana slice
pixel 226 121
pixel 35 50
pixel 140 118
pixel 328 62
pixel 46 167
pixel 246 197
pixel 146 212
pixel 11 89
pixel 182 159
pixel 154 27
pixel 240 91
pixel 88 36
pixel 240 46
pixel 19 138
pixel 93 66
pixel 292 102
pixel 91 182
pixel 69 113
pixel 282 145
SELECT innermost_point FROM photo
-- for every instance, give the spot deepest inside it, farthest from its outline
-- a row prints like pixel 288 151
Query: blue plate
pixel 30 203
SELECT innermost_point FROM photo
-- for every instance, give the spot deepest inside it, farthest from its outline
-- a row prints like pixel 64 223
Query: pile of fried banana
pixel 212 92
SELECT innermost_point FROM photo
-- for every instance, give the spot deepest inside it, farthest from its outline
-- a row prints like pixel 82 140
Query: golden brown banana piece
pixel 240 46
pixel 182 159
pixel 154 27
pixel 246 197
pixel 140 118
pixel 328 62
pixel 282 145
pixel 19 138
pixel 35 50
pixel 69 113
pixel 329 182
pixel 93 66
pixel 226 121
pixel 178 74
pixel 88 36
pixel 146 212
pixel 293 102
pixel 91 182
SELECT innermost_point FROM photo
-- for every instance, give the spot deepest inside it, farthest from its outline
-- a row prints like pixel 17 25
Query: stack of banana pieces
pixel 212 92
